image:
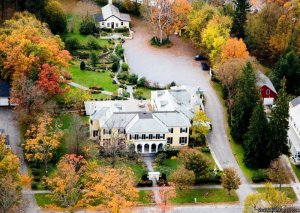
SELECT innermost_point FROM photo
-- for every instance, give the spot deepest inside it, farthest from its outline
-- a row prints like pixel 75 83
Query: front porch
pixel 149 147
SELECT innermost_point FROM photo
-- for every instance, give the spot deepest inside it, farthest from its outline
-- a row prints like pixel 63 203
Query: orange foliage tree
pixel 108 188
pixel 41 141
pixel 234 48
pixel 66 182
pixel 166 194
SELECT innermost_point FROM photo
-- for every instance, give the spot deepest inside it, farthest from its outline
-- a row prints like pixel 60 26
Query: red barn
pixel 267 90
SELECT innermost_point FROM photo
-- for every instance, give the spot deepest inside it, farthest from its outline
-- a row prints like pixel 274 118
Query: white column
pixel 156 147
pixel 143 147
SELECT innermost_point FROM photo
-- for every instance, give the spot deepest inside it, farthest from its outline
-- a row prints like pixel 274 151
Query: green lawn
pixel 289 192
pixel 43 199
pixel 90 78
pixel 237 148
pixel 169 166
pixel 101 96
pixel 145 197
pixel 204 196
pixel 296 170
pixel 146 92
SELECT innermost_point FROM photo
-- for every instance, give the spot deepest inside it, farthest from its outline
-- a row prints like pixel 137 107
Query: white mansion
pixel 111 18
pixel 143 125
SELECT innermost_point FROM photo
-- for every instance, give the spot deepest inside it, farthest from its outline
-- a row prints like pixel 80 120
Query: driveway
pixel 10 125
pixel 177 64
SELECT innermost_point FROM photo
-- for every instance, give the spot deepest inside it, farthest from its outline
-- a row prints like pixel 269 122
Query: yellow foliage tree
pixel 200 127
pixel 108 188
pixel 42 139
pixel 215 35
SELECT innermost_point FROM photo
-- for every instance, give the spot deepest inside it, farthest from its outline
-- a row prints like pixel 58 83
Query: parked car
pixel 205 66
pixel 200 58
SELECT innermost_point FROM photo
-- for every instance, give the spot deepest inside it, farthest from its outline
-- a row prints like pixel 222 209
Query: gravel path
pixel 177 64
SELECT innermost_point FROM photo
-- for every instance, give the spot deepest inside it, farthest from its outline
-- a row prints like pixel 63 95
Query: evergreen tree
pixel 279 126
pixel 244 103
pixel 256 139
pixel 82 65
pixel 240 18
pixel 288 66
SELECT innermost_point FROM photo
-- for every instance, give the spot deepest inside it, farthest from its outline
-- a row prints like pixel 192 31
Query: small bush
pixel 123 76
pixel 83 54
pixel 145 183
pixel 96 91
pixel 141 82
pixel 120 51
pixel 122 30
pixel 96 88
pixel 87 26
pixel 115 66
pixel 82 65
pixel 94 59
pixel 160 158
pixel 92 43
pixel 173 84
pixel 260 176
pixel 155 41
pixel 133 78
pixel 125 67
pixel 72 44
pixel 34 185
pixel 205 149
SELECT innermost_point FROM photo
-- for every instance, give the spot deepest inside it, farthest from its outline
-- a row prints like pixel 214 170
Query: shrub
pixel 173 84
pixel 145 183
pixel 83 54
pixel 160 158
pixel 145 177
pixel 94 59
pixel 260 176
pixel 133 78
pixel 122 30
pixel 170 153
pixel 123 76
pixel 120 51
pixel 155 41
pixel 92 43
pixel 114 58
pixel 72 44
pixel 34 185
pixel 96 91
pixel 55 17
pixel 141 82
pixel 82 65
pixel 115 66
pixel 205 149
pixel 125 67
pixel 87 26
pixel 96 88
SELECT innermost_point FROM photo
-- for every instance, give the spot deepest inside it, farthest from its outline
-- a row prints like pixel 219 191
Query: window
pixel 157 136
pixel 91 122
pixel 150 136
pixel 143 136
pixel 117 24
pixel 102 23
pixel 183 130
pixel 121 23
pixel 106 131
pixel 107 24
pixel 121 131
pixel 268 92
pixel 162 136
pixel 169 140
pixel 183 140
pixel 171 130
pixel 130 137
pixel 136 136
pixel 95 133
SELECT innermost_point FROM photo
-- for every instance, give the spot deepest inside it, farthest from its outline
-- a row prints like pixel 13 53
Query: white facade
pixel 294 133
pixel 111 18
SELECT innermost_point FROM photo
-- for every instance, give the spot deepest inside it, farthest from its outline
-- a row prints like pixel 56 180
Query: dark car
pixel 205 66
pixel 200 58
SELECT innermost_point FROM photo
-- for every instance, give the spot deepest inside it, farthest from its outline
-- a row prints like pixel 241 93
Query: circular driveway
pixel 177 64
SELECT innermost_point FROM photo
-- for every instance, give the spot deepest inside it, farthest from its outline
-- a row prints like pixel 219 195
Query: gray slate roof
pixel 262 79
pixel 98 17
pixel 172 119
pixel 111 10
pixel 295 101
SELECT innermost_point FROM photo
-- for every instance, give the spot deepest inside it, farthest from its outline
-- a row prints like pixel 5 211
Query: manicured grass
pixel 169 166
pixel 137 168
pixel 43 199
pixel 204 196
pixel 145 197
pixel 237 148
pixel 90 78
pixel 296 170
pixel 100 96
pixel 146 92
pixel 289 192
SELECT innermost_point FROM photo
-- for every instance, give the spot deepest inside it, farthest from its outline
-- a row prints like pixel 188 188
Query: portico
pixel 149 146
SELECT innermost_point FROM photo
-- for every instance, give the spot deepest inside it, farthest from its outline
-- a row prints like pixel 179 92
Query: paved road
pixel 10 125
pixel 177 64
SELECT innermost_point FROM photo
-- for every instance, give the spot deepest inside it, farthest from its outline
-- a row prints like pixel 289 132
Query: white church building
pixel 111 18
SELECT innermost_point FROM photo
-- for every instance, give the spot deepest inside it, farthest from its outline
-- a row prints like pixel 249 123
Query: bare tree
pixel 159 14
pixel 277 172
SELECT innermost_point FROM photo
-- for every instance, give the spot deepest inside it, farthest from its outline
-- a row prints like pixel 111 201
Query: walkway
pixel 86 88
